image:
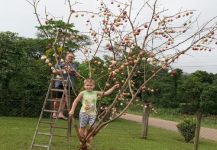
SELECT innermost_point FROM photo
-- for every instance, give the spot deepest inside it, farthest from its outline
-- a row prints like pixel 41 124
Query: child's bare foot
pixel 62 117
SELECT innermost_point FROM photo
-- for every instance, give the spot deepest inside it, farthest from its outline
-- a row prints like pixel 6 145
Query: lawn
pixel 16 134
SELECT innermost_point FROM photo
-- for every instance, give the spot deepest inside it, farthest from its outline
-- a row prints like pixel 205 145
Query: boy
pixel 88 110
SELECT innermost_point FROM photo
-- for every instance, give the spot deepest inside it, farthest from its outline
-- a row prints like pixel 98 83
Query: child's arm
pixel 109 91
pixel 78 98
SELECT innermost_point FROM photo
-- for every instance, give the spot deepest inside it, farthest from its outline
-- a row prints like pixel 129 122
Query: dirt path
pixel 206 133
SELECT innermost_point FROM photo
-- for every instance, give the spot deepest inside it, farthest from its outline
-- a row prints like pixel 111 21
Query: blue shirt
pixel 72 75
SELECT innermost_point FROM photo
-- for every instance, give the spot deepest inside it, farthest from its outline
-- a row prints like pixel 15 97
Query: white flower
pixel 43 57
pixel 58 76
pixel 150 59
pixel 143 58
pixel 169 71
pixel 47 61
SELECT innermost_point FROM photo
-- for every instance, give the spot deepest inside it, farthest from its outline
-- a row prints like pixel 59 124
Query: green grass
pixel 173 115
pixel 16 134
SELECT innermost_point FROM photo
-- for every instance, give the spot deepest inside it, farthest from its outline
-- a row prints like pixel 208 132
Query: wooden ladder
pixel 46 126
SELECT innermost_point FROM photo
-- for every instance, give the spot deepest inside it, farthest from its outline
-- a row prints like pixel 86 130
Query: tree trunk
pixel 145 118
pixel 197 133
pixel 83 146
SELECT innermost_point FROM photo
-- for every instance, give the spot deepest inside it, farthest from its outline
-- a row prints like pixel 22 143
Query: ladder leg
pixel 53 121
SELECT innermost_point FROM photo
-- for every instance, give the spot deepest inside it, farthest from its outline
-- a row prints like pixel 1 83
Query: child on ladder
pixel 88 110
pixel 65 69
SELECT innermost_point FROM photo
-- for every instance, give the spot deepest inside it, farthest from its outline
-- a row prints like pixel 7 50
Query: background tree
pixel 9 55
pixel 20 65
pixel 195 90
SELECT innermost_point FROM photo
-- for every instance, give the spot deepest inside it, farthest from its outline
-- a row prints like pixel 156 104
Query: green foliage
pixel 53 26
pixel 162 90
pixel 24 77
pixel 198 92
pixel 64 35
pixel 166 89
pixel 187 129
pixel 9 57
pixel 209 99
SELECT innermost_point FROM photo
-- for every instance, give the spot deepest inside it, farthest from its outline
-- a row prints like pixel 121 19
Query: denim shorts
pixel 86 119
pixel 58 93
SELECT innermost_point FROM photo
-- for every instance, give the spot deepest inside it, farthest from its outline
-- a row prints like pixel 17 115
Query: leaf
pixel 60 50
pixel 48 52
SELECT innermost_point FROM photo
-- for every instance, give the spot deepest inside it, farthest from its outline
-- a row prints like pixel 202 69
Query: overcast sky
pixel 17 16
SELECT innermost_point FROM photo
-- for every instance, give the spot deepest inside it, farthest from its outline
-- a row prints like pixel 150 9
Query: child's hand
pixel 71 114
pixel 116 86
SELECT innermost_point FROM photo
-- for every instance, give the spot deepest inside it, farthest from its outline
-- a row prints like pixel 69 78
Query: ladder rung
pixel 59 127
pixel 46 122
pixel 38 145
pixel 52 126
pixel 58 79
pixel 57 90
pixel 42 133
pixel 54 100
pixel 49 134
pixel 60 135
pixel 52 111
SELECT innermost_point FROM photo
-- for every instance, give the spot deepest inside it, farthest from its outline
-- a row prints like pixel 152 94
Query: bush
pixel 187 129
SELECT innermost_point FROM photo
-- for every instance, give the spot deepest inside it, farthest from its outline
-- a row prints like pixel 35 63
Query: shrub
pixel 187 129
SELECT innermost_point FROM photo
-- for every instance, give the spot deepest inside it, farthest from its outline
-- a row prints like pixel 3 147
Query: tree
pixel 196 89
pixel 128 39
pixel 20 65
pixel 9 57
